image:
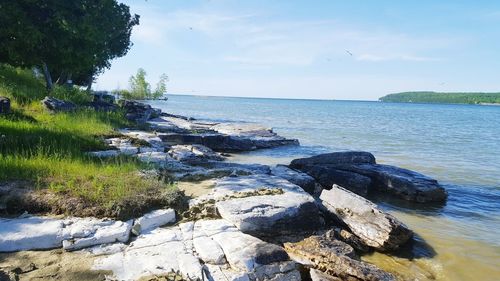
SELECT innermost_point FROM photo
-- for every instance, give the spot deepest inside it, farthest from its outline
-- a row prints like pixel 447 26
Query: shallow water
pixel 459 145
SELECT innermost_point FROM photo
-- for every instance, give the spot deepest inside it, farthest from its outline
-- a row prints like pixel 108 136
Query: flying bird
pixel 349 53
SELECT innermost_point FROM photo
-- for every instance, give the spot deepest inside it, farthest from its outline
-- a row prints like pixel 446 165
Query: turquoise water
pixel 459 145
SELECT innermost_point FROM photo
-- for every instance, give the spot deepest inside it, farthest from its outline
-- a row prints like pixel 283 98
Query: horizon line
pixel 268 98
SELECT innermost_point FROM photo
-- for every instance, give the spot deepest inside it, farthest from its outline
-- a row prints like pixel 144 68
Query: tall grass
pixel 49 149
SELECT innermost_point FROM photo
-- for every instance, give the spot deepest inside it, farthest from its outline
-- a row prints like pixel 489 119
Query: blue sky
pixel 302 49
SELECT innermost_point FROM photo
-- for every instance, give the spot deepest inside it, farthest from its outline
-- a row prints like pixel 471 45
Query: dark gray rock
pixel 299 178
pixel 4 105
pixel 406 184
pixel 374 227
pixel 328 175
pixel 103 97
pixel 57 105
pixel 335 158
pixel 137 111
pixel 358 172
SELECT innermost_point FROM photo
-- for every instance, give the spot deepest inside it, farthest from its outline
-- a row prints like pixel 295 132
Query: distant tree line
pixel 436 97
pixel 65 40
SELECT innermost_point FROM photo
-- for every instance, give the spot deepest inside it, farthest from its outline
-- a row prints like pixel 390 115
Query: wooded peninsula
pixel 440 97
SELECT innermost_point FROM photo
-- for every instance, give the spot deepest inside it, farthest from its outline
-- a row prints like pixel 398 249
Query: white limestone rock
pixel 156 252
pixel 225 273
pixel 153 220
pixel 155 157
pixel 193 153
pixel 288 208
pixel 190 267
pixel 106 249
pixel 83 233
pixel 31 233
pixel 208 250
pixel 374 227
pixel 149 137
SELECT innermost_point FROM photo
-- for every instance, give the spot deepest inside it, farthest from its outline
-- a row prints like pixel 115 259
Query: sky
pixel 350 50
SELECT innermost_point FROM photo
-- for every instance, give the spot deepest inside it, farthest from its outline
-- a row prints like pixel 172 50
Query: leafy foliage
pixel 140 89
pixel 435 97
pixel 75 39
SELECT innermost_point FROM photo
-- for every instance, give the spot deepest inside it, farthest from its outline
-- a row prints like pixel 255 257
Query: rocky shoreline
pixel 310 220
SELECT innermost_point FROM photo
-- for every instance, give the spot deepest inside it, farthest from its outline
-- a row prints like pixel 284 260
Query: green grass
pixel 49 149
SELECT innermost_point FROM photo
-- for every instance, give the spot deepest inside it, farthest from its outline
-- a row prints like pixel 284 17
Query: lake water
pixel 459 145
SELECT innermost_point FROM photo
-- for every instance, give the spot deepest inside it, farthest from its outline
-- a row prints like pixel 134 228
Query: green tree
pixel 65 39
pixel 161 87
pixel 140 89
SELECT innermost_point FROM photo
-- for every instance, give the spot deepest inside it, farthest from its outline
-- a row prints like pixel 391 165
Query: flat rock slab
pixel 155 253
pixel 36 233
pixel 193 153
pixel 334 258
pixel 221 136
pixel 405 184
pixel 335 158
pixel 159 158
pixel 260 204
pixel 153 220
pixel 32 233
pixel 225 252
pixel 374 227
pixel 86 232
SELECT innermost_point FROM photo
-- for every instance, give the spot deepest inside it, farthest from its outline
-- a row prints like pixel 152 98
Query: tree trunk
pixel 89 85
pixel 48 78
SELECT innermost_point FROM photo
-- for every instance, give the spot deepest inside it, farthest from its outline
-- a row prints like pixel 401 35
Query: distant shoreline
pixel 444 98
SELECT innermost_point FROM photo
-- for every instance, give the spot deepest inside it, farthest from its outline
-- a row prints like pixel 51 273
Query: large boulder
pixel 358 172
pixel 4 105
pixel 264 205
pixel 374 227
pixel 335 258
pixel 57 105
pixel 299 178
pixel 279 208
pixel 103 97
pixel 137 111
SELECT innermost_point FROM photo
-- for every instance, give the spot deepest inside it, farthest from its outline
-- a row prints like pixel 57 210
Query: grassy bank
pixel 48 151
pixel 435 97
